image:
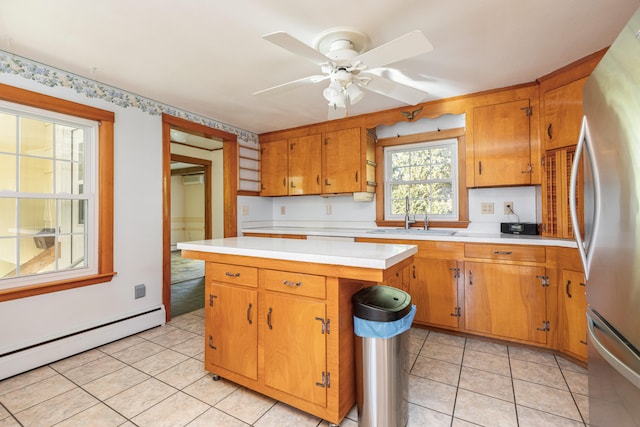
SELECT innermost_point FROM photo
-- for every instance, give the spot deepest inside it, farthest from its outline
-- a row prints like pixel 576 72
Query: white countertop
pixel 391 233
pixel 352 254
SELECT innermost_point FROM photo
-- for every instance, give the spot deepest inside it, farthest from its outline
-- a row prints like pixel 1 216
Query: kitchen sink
pixel 413 231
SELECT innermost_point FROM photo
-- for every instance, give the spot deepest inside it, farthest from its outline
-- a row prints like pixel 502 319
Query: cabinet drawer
pixel 229 273
pixel 505 252
pixel 295 283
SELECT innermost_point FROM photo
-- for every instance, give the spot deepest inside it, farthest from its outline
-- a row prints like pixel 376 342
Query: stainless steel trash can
pixel 382 318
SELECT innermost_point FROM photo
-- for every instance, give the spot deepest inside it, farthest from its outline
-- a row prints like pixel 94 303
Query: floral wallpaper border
pixel 52 77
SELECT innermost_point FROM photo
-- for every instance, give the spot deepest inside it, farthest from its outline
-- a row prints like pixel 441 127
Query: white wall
pixel 137 237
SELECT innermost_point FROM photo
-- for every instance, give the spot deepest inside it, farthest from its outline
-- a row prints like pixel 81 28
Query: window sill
pixel 432 224
pixel 45 288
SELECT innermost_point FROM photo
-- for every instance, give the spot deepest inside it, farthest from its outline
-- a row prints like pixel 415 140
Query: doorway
pixel 227 170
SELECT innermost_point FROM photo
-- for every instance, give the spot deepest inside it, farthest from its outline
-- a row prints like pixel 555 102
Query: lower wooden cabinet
pixel 295 347
pixel 572 318
pixel 285 329
pixel 433 285
pixel 506 301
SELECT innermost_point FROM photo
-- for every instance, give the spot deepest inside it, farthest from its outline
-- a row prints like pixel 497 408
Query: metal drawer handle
pixel 232 274
pixel 502 252
pixel 249 314
pixel 290 283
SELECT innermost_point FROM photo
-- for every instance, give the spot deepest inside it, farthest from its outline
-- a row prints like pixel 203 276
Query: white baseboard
pixel 35 356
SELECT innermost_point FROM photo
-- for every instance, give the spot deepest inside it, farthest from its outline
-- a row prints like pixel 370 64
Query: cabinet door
pixel 501 144
pixel 305 165
pixel 232 333
pixel 295 347
pixel 341 165
pixel 573 321
pixel 555 203
pixel 273 167
pixel 433 286
pixel 563 115
pixel 507 301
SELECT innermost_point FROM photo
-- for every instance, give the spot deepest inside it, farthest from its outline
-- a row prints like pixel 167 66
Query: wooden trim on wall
pixel 105 146
pixel 230 166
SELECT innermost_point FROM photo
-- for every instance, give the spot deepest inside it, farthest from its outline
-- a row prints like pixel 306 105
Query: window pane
pixel 36 215
pixel 7 172
pixel 72 252
pixel 36 175
pixel 8 258
pixel 37 255
pixel 401 159
pixel 68 179
pixel 71 216
pixel 36 137
pixel 8 124
pixel 8 226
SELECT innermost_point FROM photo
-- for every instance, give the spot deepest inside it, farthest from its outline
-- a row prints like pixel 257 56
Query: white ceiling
pixel 208 56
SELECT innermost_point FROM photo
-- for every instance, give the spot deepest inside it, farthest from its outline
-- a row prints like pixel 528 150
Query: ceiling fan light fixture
pixel 333 91
pixel 354 93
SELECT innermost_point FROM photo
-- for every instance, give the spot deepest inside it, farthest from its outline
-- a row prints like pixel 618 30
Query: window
pixel 426 173
pixel 56 196
pixel 47 189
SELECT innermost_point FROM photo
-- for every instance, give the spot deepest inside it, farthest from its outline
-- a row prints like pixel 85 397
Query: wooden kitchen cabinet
pixel 572 314
pixel 433 286
pixel 505 293
pixel 295 348
pixel 341 161
pixel 305 165
pixel 501 145
pixel 274 168
pixel 506 301
pixel 291 166
pixel 563 115
pixel 561 106
pixel 231 312
pixel 284 328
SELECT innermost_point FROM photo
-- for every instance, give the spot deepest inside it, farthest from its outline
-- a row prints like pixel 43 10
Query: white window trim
pixel 451 142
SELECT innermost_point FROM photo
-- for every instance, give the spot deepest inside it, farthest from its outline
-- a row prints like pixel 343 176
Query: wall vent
pixel 192 179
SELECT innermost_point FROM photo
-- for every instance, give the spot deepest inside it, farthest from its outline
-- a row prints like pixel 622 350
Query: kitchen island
pixel 278 315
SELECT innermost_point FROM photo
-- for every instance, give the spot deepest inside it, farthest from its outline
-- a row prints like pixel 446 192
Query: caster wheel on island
pixel 216 377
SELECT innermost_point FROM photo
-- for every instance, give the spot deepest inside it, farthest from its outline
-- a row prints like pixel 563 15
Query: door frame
pixel 230 176
pixel 206 164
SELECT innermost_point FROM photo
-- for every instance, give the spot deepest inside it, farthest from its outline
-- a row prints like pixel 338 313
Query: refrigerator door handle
pixel 595 328
pixel 584 246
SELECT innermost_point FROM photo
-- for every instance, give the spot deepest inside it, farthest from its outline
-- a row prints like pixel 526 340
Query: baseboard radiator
pixel 22 360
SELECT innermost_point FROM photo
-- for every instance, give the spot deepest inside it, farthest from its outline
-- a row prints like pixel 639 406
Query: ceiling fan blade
pixel 291 85
pixel 336 112
pixel 295 46
pixel 392 89
pixel 407 46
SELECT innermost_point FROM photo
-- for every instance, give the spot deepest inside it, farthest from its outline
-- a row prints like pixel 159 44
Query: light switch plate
pixel 486 208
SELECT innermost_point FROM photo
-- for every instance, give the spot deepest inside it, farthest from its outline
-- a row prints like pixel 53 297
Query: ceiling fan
pixel 344 61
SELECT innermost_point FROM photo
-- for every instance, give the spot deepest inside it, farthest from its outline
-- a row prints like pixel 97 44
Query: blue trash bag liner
pixel 372 329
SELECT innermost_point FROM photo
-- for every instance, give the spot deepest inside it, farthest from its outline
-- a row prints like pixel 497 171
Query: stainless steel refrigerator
pixel 609 146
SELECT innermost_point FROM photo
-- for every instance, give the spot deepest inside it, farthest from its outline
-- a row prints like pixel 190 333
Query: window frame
pixel 463 206
pixel 451 144
pixel 105 161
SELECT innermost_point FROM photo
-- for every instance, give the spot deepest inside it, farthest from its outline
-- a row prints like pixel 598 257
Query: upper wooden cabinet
pixel 329 162
pixel 561 105
pixel 304 165
pixel 291 166
pixel 563 115
pixel 274 168
pixel 502 139
pixel 341 161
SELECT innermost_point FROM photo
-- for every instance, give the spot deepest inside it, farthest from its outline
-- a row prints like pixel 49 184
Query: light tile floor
pixel 156 378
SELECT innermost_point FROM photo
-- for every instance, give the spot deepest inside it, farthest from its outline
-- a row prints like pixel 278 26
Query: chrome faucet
pixel 426 221
pixel 407 208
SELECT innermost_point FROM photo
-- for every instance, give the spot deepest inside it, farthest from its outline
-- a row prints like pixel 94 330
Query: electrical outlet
pixel 486 208
pixel 244 210
pixel 329 210
pixel 508 208
pixel 283 210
